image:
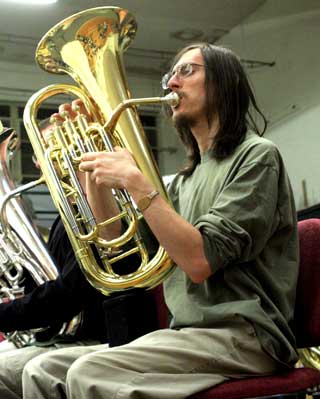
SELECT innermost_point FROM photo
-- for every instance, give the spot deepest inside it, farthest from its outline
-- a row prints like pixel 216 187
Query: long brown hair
pixel 229 96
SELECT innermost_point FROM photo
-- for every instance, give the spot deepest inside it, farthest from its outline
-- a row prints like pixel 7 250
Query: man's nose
pixel 173 82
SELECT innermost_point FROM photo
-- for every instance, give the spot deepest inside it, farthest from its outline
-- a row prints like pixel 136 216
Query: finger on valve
pixel 79 108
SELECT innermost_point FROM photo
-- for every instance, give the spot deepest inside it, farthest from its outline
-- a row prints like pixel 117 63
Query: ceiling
pixel 163 26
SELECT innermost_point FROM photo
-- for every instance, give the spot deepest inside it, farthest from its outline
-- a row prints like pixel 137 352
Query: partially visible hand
pixel 116 169
pixel 73 108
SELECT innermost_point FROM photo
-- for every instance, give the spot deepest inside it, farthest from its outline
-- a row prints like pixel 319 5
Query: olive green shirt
pixel 244 208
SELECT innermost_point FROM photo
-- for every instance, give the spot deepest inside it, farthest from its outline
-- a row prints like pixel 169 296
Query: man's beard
pixel 182 122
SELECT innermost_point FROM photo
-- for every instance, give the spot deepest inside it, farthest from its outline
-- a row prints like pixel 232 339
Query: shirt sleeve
pixel 240 221
pixel 53 301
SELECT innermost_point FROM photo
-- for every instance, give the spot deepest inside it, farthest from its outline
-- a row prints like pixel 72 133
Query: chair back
pixel 307 310
pixel 162 309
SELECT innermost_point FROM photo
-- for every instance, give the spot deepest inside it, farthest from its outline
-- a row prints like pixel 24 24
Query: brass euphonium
pixel 89 47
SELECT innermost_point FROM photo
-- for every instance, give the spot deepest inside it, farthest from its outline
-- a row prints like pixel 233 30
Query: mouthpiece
pixel 171 99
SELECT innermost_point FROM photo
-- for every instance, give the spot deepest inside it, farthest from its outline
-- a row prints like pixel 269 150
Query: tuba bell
pixel 89 47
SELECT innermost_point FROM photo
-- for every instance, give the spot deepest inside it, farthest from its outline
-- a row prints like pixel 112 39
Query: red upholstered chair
pixel 297 382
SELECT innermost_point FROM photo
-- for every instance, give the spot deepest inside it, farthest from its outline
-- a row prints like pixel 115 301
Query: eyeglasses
pixel 181 71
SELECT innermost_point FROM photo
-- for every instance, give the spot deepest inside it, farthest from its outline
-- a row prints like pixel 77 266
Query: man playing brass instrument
pixel 232 234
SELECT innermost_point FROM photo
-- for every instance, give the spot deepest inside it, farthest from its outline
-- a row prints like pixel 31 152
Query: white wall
pixel 299 141
pixel 288 32
pixel 19 81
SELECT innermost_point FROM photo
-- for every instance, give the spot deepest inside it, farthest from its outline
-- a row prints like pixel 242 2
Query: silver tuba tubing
pixel 21 247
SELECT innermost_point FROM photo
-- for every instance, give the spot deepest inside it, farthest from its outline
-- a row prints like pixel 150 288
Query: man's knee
pixel 36 366
pixel 77 378
pixel 31 367
pixel 78 368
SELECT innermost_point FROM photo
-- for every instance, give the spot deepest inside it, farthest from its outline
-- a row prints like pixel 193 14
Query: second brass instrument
pixel 89 47
pixel 23 254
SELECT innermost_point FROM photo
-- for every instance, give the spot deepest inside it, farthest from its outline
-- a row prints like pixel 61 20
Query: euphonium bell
pixel 89 47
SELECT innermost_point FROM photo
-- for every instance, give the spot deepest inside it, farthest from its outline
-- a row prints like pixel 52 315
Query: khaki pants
pixel 165 364
pixel 13 361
